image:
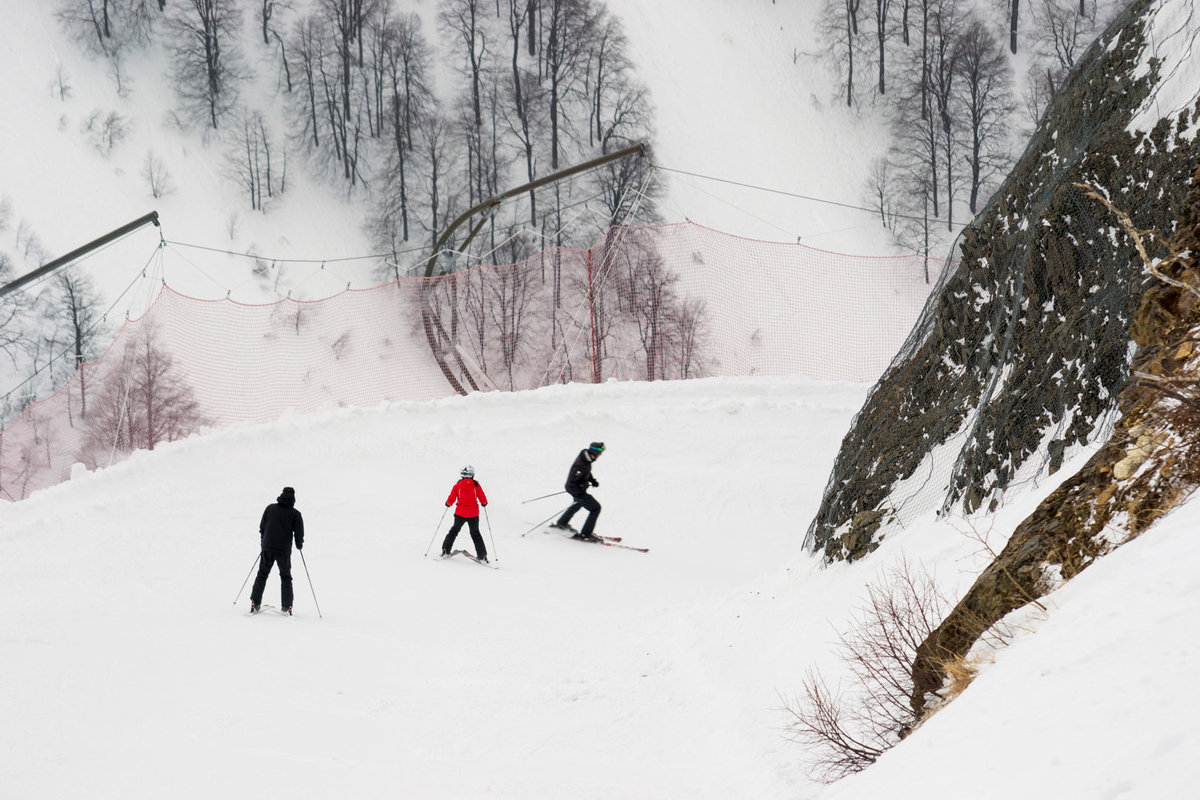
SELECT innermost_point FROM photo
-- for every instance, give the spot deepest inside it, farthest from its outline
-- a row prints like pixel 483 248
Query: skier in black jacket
pixel 579 479
pixel 280 522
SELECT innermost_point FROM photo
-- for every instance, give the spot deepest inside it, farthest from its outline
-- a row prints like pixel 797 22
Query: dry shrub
pixel 959 674
pixel 846 731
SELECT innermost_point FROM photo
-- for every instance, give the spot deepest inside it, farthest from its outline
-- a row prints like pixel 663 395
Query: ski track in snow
pixel 573 670
pixel 571 666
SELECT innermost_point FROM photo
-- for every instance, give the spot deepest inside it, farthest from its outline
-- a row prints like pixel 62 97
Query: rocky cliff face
pixel 1023 351
pixel 1149 464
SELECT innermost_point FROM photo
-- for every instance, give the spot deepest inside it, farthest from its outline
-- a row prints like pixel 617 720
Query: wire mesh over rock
pixel 1020 353
pixel 1149 465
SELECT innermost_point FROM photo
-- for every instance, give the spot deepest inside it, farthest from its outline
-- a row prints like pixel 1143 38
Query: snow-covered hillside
pixel 732 102
pixel 741 95
pixel 573 670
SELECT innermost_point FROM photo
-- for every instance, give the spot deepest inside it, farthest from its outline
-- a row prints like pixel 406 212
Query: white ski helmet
pixel 468 471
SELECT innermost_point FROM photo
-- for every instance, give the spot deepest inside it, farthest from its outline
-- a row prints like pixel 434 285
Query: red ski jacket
pixel 469 496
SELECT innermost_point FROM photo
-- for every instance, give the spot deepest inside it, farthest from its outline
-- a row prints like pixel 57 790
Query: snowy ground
pixel 573 670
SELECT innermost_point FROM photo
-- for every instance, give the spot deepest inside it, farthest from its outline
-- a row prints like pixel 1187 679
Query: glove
pixel 299 545
pixel 485 505
pixel 594 482
pixel 448 505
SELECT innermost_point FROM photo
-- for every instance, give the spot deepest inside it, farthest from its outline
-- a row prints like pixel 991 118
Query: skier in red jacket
pixel 469 496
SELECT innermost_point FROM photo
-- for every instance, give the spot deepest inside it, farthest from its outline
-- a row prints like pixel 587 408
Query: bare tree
pixel 649 300
pixel 1014 17
pixel 1040 84
pixel 109 28
pixel 511 291
pixel 332 106
pixel 76 319
pixel 693 334
pixel 524 95
pixel 343 97
pixel 984 97
pixel 207 61
pixel 1065 29
pixel 839 24
pixel 13 333
pixel 846 733
pixel 408 98
pixel 62 83
pixel 156 175
pixel 254 162
pixel 467 23
pixel 105 130
pixel 881 189
pixel 308 54
pixel 881 11
pixel 943 70
pixel 142 401
pixel 566 26
pixel 266 12
pixel 916 152
pixel 439 160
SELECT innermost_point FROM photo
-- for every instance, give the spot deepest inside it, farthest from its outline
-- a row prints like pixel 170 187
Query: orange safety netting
pixel 655 303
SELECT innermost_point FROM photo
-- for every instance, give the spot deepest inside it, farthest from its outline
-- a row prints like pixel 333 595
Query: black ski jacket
pixel 580 476
pixel 279 522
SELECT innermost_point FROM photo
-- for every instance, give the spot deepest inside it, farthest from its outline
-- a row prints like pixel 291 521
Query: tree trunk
pixel 1015 8
pixel 880 34
pixel 850 56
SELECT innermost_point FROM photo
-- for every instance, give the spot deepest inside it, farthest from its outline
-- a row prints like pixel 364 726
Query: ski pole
pixel 547 519
pixel 543 497
pixel 435 530
pixel 490 537
pixel 310 586
pixel 248 574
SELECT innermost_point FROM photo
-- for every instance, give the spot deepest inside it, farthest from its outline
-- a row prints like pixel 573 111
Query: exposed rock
pixel 1027 342
pixel 1151 463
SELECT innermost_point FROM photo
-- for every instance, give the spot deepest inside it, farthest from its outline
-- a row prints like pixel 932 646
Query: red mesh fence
pixel 658 303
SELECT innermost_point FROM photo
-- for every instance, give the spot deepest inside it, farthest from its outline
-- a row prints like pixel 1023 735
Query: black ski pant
pixel 284 559
pixel 473 524
pixel 592 505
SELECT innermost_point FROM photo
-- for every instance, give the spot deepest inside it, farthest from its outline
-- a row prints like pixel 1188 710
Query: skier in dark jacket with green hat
pixel 579 479
pixel 281 521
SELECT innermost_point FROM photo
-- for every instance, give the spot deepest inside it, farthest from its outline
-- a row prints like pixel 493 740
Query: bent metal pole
pixel 435 333
pixel 77 253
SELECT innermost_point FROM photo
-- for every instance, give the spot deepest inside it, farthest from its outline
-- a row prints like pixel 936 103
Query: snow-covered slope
pixel 573 670
pixel 577 669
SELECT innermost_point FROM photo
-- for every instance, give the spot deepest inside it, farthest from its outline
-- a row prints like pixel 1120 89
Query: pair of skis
pixel 471 556
pixel 607 541
pixel 265 607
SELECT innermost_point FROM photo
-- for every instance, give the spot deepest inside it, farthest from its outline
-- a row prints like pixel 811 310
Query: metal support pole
pixel 59 263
